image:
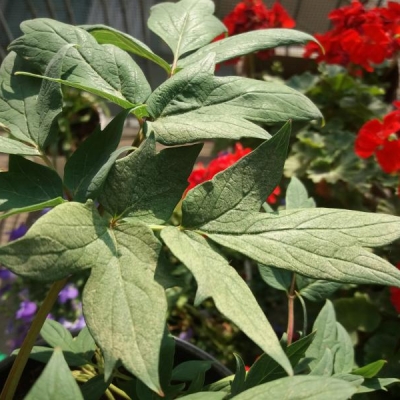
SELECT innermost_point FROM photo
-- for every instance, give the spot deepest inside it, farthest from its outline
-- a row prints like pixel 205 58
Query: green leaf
pixel 357 313
pixel 325 338
pixel 43 354
pixel 297 196
pixel 266 369
pixel 275 277
pixel 205 396
pixel 18 96
pixel 197 383
pixel 353 379
pixel 371 385
pixel 88 167
pixel 301 388
pixel 55 382
pixel 84 342
pixel 167 354
pixel 370 370
pixel 195 105
pixel 11 146
pixel 148 186
pixel 188 370
pixel 50 101
pixel 56 335
pixel 121 301
pixel 217 279
pixel 101 93
pixel 107 35
pixel 319 243
pixel 238 383
pixel 316 290
pixel 246 43
pixel 324 365
pixel 185 26
pixel 65 240
pixel 37 207
pixel 94 388
pixel 344 356
pixel 105 69
pixel 27 183
pixel 244 186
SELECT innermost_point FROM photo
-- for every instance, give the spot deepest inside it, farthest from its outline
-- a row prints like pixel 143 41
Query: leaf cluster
pixel 112 205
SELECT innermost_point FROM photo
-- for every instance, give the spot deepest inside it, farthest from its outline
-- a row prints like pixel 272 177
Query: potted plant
pixel 111 211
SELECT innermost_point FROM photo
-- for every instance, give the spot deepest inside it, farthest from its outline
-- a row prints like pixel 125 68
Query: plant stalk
pixel 291 298
pixel 22 357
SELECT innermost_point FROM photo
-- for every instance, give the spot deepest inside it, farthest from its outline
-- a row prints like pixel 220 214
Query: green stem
pixel 138 139
pixel 157 227
pixel 22 357
pixel 291 297
pixel 305 319
pixel 119 392
pixel 109 395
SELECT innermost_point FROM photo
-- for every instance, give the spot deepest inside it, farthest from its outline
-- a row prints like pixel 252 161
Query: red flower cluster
pixel 381 138
pixel 360 37
pixel 251 15
pixel 224 160
pixel 395 295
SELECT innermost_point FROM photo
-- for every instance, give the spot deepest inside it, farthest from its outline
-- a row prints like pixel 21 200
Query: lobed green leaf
pixel 104 68
pixel 195 105
pixel 18 107
pixel 11 146
pixel 301 388
pixel 37 207
pixel 107 35
pixel 244 186
pixel 246 43
pixel 218 280
pixel 70 238
pixel 152 192
pixel 186 25
pixel 87 169
pixel 121 300
pixel 27 184
pixel 319 243
pixel 50 101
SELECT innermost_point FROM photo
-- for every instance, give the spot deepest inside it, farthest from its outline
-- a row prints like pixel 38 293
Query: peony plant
pixel 112 207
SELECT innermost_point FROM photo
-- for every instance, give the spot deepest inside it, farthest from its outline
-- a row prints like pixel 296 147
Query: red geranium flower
pixel 360 37
pixel 224 160
pixel 381 138
pixel 251 15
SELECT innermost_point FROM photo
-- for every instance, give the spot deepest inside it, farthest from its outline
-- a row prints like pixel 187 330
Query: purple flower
pixel 186 335
pixel 78 324
pixel 18 232
pixel 45 210
pixel 6 275
pixel 69 292
pixel 26 310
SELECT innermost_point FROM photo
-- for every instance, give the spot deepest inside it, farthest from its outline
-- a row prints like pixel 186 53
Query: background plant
pixel 111 215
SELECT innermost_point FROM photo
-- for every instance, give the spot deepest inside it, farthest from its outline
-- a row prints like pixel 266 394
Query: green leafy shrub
pixel 112 207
